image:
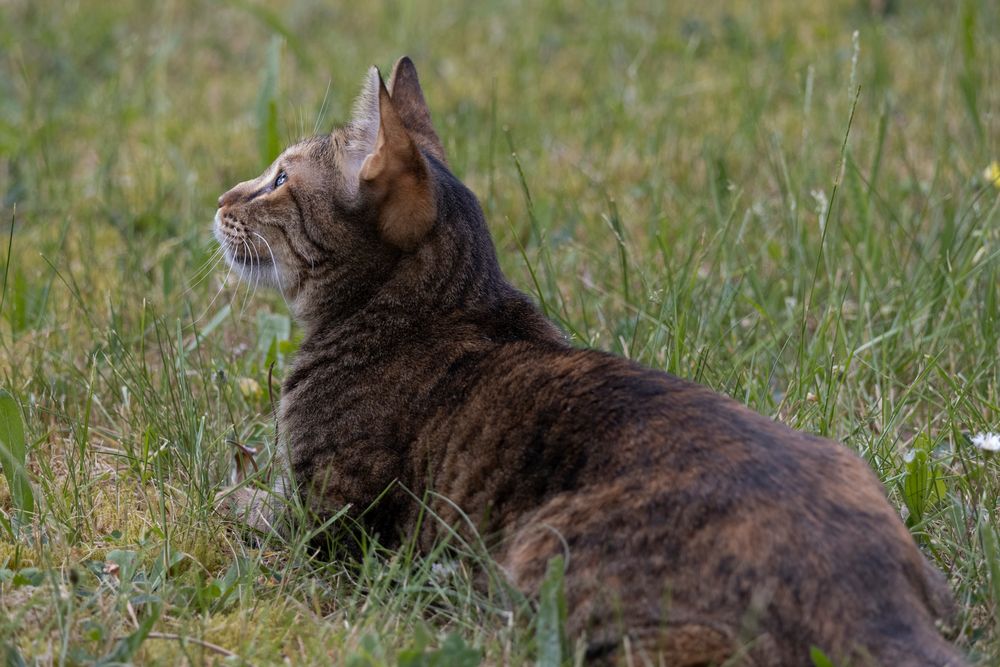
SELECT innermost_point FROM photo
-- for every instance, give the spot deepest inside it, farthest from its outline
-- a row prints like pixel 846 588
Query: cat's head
pixel 343 209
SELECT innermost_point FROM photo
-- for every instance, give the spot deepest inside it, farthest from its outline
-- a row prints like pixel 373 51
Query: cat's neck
pixel 409 308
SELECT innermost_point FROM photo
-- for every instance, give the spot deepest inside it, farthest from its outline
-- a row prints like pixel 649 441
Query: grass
pixel 674 182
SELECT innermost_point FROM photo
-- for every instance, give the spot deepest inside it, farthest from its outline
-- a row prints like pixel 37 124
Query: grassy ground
pixel 695 195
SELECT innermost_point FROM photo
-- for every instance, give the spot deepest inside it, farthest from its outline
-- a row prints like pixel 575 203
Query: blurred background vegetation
pixel 672 181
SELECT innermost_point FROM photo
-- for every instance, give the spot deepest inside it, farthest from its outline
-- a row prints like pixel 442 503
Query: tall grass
pixel 750 196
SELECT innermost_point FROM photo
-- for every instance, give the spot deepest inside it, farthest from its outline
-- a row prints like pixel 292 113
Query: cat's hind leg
pixel 682 644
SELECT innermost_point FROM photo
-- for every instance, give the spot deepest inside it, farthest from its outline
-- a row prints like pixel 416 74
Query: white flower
pixel 989 442
pixel 822 206
pixel 443 570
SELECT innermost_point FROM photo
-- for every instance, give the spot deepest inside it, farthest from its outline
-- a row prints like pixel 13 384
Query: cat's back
pixel 601 415
pixel 672 501
pixel 524 422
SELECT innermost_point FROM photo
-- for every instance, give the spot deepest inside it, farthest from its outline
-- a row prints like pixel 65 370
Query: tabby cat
pixel 698 529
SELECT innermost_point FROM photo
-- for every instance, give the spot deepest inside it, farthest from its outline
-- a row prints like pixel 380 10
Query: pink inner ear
pixel 370 167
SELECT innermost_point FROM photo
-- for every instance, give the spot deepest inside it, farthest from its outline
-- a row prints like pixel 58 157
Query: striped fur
pixel 699 529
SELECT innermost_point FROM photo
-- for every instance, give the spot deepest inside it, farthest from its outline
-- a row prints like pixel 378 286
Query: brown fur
pixel 699 529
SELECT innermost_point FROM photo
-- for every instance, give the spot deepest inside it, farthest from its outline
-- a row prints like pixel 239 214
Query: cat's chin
pixel 252 268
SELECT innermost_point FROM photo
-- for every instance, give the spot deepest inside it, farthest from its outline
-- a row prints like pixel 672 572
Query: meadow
pixel 797 204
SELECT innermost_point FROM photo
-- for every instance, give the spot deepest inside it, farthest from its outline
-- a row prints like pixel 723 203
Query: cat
pixel 698 529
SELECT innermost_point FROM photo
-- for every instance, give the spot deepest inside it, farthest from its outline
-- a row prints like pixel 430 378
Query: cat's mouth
pixel 248 258
pixel 239 248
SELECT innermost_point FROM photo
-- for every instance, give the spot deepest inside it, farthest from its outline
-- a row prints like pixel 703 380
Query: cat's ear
pixel 362 132
pixel 408 98
pixel 396 178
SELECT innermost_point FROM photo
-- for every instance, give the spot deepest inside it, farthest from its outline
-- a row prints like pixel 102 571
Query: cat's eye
pixel 282 177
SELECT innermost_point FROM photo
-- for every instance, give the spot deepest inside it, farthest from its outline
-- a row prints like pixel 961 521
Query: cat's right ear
pixel 408 98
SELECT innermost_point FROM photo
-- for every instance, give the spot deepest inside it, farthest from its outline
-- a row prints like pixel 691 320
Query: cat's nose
pixel 229 197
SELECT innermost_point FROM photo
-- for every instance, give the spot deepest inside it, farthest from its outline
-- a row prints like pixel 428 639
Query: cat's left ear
pixel 396 179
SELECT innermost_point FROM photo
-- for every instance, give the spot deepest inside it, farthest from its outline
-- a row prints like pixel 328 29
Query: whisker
pixel 312 270
pixel 207 262
pixel 254 272
pixel 206 270
pixel 322 107
pixel 277 273
pixel 256 278
pixel 222 286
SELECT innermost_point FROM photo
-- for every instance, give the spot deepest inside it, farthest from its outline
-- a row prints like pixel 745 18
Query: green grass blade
pixel 268 139
pixel 13 456
pixel 550 630
pixel 8 261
